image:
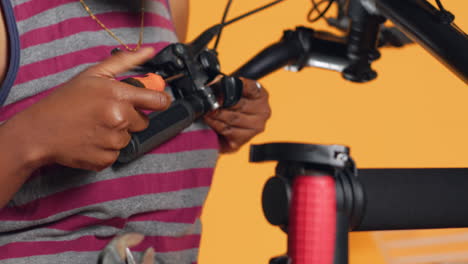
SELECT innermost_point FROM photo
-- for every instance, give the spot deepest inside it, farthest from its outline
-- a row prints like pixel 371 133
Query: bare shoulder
pixel 3 46
pixel 180 13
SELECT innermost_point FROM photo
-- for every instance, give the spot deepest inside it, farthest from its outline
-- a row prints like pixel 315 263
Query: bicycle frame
pixel 422 22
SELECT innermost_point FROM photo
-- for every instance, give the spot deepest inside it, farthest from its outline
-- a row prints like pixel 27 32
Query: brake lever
pixel 195 67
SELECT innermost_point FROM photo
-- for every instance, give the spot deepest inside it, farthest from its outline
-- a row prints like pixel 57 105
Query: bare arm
pixel 16 163
pixel 180 13
pixel 3 47
pixel 18 159
pixel 82 124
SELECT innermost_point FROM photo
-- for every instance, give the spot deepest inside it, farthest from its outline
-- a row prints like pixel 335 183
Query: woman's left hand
pixel 239 124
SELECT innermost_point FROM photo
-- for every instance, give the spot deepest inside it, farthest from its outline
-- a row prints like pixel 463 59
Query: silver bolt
pixel 291 68
pixel 342 157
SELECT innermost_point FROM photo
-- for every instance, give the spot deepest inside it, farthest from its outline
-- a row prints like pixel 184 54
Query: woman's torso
pixel 67 215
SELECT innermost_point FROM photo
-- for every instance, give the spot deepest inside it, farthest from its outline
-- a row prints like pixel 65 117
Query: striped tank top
pixel 64 215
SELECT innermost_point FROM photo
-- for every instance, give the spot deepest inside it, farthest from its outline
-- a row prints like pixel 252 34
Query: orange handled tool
pixel 149 81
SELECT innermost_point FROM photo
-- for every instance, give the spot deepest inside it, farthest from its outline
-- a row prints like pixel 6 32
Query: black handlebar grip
pixel 162 127
pixel 269 60
pixel 414 198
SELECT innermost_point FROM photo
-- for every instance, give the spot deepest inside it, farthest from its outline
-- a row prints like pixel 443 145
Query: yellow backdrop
pixel 414 115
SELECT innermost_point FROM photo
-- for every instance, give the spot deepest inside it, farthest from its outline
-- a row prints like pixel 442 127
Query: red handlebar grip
pixel 312 227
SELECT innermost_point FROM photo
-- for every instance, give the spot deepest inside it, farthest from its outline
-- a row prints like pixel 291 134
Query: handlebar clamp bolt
pixel 342 157
pixel 179 50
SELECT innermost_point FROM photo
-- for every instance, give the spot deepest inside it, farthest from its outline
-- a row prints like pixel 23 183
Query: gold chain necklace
pixel 142 26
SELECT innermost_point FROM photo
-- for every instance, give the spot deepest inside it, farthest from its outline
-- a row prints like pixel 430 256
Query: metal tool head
pixel 118 250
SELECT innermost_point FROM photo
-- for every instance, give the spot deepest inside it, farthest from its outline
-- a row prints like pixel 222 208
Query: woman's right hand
pixel 85 122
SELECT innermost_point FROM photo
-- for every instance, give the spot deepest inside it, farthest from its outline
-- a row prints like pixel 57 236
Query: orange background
pixel 414 115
